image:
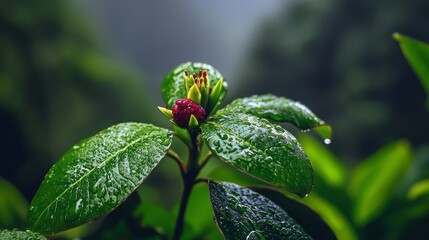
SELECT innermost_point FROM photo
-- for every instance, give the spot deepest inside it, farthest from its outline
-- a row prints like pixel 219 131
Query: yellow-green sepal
pixel 189 81
pixel 194 94
pixel 204 89
pixel 167 112
pixel 193 122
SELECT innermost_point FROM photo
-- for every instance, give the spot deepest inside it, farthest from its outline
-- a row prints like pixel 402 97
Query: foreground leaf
pixel 376 179
pixel 279 109
pixel 260 148
pixel 244 214
pixel 20 235
pixel 173 85
pixel 96 175
pixel 417 54
pixel 306 217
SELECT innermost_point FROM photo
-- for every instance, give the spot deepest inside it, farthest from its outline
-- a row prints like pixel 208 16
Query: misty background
pixel 69 69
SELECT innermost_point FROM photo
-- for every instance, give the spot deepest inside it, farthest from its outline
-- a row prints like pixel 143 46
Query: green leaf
pixel 173 85
pixel 336 220
pixel 279 109
pixel 305 216
pixel 417 54
pixel 260 148
pixel 418 189
pixel 97 175
pixel 156 216
pixel 20 235
pixel 375 180
pixel 241 213
pixel 13 206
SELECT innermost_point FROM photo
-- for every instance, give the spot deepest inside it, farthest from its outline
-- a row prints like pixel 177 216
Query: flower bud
pixel 186 111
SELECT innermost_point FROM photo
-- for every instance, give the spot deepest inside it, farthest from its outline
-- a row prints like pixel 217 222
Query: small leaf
pixel 241 213
pixel 279 109
pixel 173 85
pixel 375 180
pixel 260 148
pixel 418 189
pixel 97 175
pixel 417 54
pixel 20 235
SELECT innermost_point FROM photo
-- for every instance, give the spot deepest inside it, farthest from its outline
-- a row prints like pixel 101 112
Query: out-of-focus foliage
pixel 13 206
pixel 57 84
pixel 417 54
pixel 338 58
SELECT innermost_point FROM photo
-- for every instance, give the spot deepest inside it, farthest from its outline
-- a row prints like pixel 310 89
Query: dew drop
pixel 327 141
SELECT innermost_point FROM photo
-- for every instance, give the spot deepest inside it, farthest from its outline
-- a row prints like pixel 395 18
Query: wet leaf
pixel 97 175
pixel 20 235
pixel 261 149
pixel 279 109
pixel 173 85
pixel 306 217
pixel 244 214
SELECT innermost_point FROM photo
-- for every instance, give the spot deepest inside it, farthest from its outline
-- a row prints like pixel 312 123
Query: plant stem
pixel 188 181
pixel 173 155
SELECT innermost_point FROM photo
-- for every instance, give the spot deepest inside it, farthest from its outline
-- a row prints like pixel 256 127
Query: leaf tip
pixel 397 36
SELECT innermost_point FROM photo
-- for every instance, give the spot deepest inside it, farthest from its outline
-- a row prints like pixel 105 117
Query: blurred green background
pixel 69 69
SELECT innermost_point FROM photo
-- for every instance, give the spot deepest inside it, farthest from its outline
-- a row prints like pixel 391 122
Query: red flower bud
pixel 184 108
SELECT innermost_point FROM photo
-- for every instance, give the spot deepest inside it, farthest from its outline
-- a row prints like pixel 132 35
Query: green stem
pixel 188 181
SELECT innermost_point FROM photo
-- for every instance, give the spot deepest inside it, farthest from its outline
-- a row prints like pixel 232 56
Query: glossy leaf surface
pixel 279 109
pixel 242 213
pixel 376 178
pixel 96 175
pixel 173 85
pixel 306 217
pixel 417 54
pixel 260 148
pixel 20 235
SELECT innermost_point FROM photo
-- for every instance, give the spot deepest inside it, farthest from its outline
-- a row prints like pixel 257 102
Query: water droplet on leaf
pixel 327 141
